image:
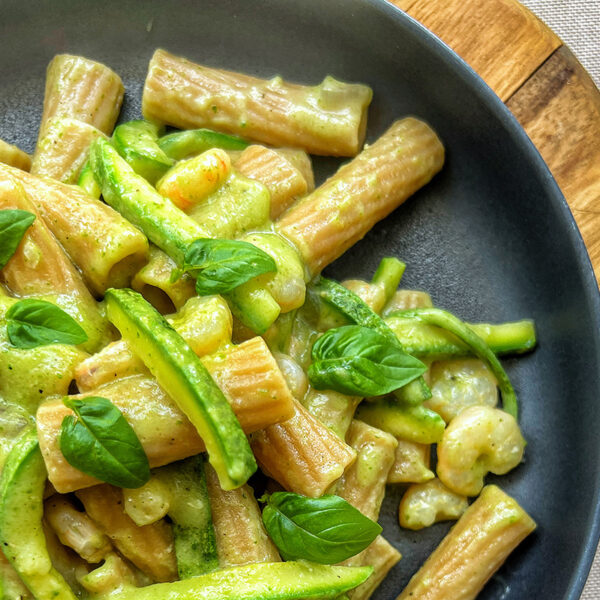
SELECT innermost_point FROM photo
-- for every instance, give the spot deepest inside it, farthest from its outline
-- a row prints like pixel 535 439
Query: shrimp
pixel 424 504
pixel 456 384
pixel 479 440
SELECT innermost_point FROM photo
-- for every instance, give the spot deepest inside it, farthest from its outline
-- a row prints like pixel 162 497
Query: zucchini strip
pixel 188 143
pixel 446 320
pixel 190 511
pixel 21 509
pixel 180 372
pixel 170 228
pixel 267 581
pixel 388 274
pixel 433 343
pixel 331 408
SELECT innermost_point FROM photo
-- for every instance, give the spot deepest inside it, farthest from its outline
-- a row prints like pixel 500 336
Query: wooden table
pixel 541 82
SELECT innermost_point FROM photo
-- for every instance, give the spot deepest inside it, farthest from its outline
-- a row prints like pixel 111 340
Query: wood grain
pixel 502 40
pixel 559 107
pixel 543 85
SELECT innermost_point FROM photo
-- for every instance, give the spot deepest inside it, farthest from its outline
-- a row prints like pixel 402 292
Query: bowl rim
pixel 552 194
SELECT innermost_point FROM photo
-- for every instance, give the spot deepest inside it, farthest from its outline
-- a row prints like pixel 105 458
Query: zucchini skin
pixel 412 422
pixel 429 341
pixel 258 581
pixel 131 195
pixel 195 541
pixel 184 144
pixel 182 375
pixel 169 228
pixel 88 182
pixel 136 142
pixel 451 323
pixel 21 509
pixel 353 308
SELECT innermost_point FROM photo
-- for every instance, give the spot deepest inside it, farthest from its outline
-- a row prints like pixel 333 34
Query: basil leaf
pixel 219 266
pixel 359 361
pixel 13 225
pixel 324 530
pixel 100 442
pixel 31 323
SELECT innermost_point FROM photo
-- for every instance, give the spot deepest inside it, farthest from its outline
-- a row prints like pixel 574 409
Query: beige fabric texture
pixel 577 23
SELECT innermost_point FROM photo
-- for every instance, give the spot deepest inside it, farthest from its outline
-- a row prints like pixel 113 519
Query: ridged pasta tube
pixel 247 374
pixel 324 224
pixel 380 555
pixel 150 548
pixel 107 249
pixel 40 267
pixel 115 361
pixel 474 549
pixel 75 529
pixel 249 377
pixel 329 118
pixel 153 281
pixel 302 454
pixel 277 173
pixel 82 89
pixel 240 534
pixel 64 149
pixel 363 483
pixel 14 157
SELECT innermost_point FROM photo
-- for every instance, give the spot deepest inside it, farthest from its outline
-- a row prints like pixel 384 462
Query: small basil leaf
pixel 31 323
pixel 13 225
pixel 359 361
pixel 324 530
pixel 100 442
pixel 219 266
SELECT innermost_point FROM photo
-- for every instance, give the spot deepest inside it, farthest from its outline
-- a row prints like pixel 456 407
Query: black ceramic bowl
pixel 491 237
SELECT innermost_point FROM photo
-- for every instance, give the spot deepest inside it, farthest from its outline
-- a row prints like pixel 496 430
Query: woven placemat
pixel 577 22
